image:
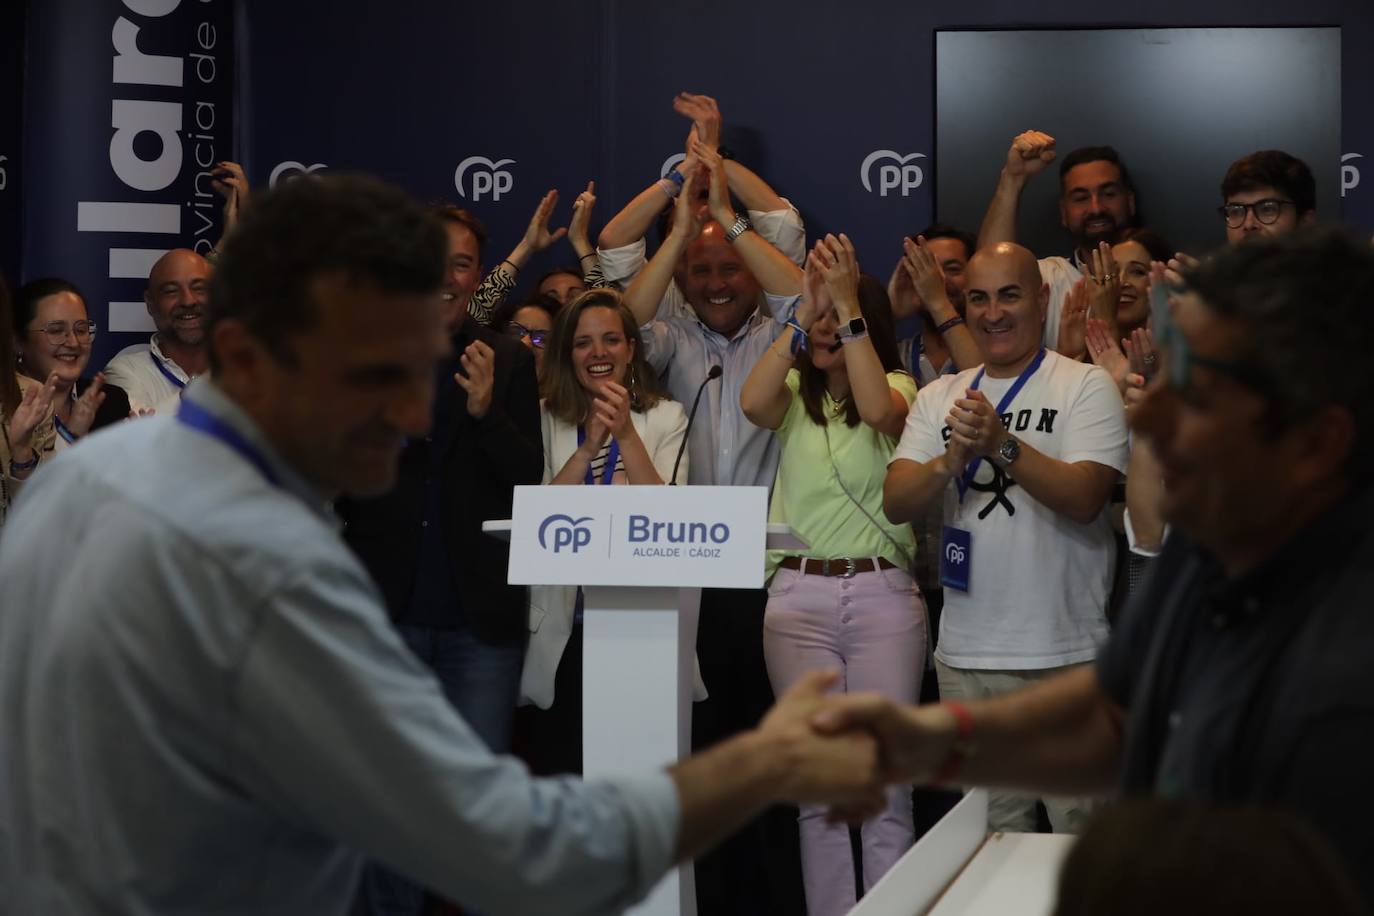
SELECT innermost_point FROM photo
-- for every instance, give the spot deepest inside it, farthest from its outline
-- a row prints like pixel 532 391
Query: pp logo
pixel 4 178
pixel 671 163
pixel 955 554
pixel 289 169
pixel 901 172
pixel 492 178
pixel 1350 174
pixel 567 532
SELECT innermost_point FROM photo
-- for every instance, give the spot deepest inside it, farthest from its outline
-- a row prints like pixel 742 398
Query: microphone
pixel 713 374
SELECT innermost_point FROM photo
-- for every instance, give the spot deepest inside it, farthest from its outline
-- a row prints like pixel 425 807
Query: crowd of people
pixel 1112 501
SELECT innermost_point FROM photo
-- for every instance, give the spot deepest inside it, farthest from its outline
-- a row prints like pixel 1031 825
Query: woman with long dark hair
pixel 834 391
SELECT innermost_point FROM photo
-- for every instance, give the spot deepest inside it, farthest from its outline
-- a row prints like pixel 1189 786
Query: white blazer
pixel 662 429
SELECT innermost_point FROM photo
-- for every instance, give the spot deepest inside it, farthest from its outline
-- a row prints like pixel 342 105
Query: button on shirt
pixel 146 375
pixel 725 448
pixel 206 709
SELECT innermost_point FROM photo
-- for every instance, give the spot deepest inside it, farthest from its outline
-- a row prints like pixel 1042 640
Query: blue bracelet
pixel 676 177
pixel 800 339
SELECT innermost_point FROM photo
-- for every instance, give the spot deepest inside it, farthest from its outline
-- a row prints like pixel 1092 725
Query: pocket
pixel 899 581
pixel 784 580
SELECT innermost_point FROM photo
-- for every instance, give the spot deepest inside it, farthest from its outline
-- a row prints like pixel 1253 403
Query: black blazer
pixel 484 461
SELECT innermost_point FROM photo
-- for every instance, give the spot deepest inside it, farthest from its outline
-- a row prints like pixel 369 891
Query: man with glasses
pixel 1267 193
pixel 1240 672
pixel 154 374
pixel 443 580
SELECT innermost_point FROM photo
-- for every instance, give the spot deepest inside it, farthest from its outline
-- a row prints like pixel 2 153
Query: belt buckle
pixel 850 570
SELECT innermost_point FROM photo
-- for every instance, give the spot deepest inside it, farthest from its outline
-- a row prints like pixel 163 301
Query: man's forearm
pixel 633 222
pixel 774 271
pixel 752 190
pixel 1061 736
pixel 999 223
pixel 1077 491
pixel 911 486
pixel 722 788
pixel 646 291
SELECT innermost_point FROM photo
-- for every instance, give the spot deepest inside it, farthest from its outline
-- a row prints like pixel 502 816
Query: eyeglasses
pixel 1266 211
pixel 537 337
pixel 57 331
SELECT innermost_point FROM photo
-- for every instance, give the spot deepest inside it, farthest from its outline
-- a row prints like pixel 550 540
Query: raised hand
pixel 1073 318
pixel 705 115
pixel 1140 351
pixel 83 411
pixel 228 179
pixel 479 372
pixel 1104 294
pixel 1106 352
pixel 1030 153
pixel 688 215
pixel 1176 266
pixel 580 223
pixel 926 276
pixel 718 200
pixel 537 234
pixel 840 270
pixel 35 408
pixel 815 299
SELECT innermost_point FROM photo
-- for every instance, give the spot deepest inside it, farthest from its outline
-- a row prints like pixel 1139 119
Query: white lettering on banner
pixel 671 163
pixel 900 173
pixel 164 118
pixel 492 178
pixel 4 178
pixel 671 536
pixel 1350 173
pixel 284 171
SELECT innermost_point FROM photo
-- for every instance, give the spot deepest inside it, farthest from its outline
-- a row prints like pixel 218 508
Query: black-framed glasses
pixel 536 336
pixel 57 331
pixel 1266 211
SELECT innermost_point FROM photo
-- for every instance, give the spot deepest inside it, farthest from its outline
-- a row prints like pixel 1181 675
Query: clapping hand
pixel 477 378
pixel 705 115
pixel 35 407
pixel 1073 318
pixel 580 224
pixel 815 298
pixel 611 410
pixel 83 411
pixel 1106 352
pixel 926 276
pixel 228 179
pixel 718 200
pixel 1104 292
pixel 839 269
pixel 537 234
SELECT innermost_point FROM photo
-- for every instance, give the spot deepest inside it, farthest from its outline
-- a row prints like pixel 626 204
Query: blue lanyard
pixel 1002 405
pixel 68 436
pixel 163 369
pixel 201 420
pixel 611 458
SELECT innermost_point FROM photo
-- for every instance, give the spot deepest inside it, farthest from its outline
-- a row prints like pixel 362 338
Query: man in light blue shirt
pixel 206 709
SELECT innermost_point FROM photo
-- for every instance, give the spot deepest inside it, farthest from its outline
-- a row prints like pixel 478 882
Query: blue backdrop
pixel 554 94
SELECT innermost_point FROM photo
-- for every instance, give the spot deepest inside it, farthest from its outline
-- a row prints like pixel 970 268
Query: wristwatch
pixel 851 329
pixel 1008 452
pixel 740 226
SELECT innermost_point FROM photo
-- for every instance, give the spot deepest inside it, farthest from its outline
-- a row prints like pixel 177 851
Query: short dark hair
pixel 876 309
pixel 1155 244
pixel 27 297
pixel 367 230
pixel 452 213
pixel 946 231
pixel 1303 298
pixel 1085 154
pixel 1272 168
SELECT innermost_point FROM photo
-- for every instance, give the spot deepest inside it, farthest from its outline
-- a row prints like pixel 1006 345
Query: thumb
pixel 813 684
pixel 855 710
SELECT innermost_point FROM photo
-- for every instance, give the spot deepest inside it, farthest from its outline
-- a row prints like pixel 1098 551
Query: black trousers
pixel 756 871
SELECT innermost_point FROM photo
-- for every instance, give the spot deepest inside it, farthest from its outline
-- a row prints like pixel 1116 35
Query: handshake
pixel 843 750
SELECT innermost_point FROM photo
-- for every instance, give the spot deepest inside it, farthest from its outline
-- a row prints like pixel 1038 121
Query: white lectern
pixel 642 556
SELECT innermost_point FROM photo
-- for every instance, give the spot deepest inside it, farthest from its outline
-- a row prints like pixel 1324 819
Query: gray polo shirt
pixel 206 711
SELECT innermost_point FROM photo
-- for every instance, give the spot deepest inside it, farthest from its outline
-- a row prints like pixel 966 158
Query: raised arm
pixel 880 406
pixel 579 237
pixel 646 290
pixel 765 396
pixel 773 270
pixel 487 299
pixel 929 282
pixel 1029 154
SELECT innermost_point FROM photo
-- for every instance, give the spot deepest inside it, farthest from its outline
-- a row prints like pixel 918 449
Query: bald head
pixel 178 291
pixel 1005 302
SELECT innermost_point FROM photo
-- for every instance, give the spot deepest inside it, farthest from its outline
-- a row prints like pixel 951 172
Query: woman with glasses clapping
pixel 53 335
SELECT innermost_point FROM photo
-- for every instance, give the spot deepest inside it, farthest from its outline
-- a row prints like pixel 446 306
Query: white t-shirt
pixel 1038 581
pixel 1061 274
pixel 152 381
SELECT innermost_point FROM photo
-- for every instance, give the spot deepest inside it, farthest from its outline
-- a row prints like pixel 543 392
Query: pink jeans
pixel 871 628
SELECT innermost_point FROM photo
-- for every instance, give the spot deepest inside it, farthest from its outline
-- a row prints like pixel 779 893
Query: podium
pixel 957 869
pixel 642 556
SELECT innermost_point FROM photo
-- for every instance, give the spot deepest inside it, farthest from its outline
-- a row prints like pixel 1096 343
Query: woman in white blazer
pixel 606 421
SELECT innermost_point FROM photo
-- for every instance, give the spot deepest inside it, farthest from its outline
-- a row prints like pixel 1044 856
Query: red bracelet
pixel 962 748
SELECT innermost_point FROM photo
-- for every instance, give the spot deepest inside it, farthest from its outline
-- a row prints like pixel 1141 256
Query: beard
pixel 1110 234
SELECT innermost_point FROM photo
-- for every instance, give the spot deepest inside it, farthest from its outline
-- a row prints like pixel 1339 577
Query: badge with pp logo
pixel 956 557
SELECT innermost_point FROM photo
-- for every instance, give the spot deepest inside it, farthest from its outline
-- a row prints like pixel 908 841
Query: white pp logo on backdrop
pixel 671 163
pixel 285 171
pixel 491 178
pixel 901 172
pixel 1350 174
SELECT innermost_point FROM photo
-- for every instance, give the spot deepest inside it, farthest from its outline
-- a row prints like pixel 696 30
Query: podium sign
pixel 639 536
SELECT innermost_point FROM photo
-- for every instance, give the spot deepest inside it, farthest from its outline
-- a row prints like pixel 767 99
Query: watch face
pixel 1010 450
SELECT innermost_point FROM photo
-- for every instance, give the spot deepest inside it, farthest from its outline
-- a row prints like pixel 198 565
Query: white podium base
pixel 637 663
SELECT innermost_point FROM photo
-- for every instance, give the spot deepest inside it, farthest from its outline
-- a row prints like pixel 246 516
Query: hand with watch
pixel 840 269
pixel 718 198
pixel 974 424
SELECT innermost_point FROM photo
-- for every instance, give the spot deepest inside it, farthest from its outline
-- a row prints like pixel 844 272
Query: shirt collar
pixel 749 324
pixel 156 349
pixel 210 397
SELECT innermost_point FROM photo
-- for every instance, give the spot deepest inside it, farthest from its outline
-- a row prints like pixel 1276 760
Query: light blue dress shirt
pixel 206 711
